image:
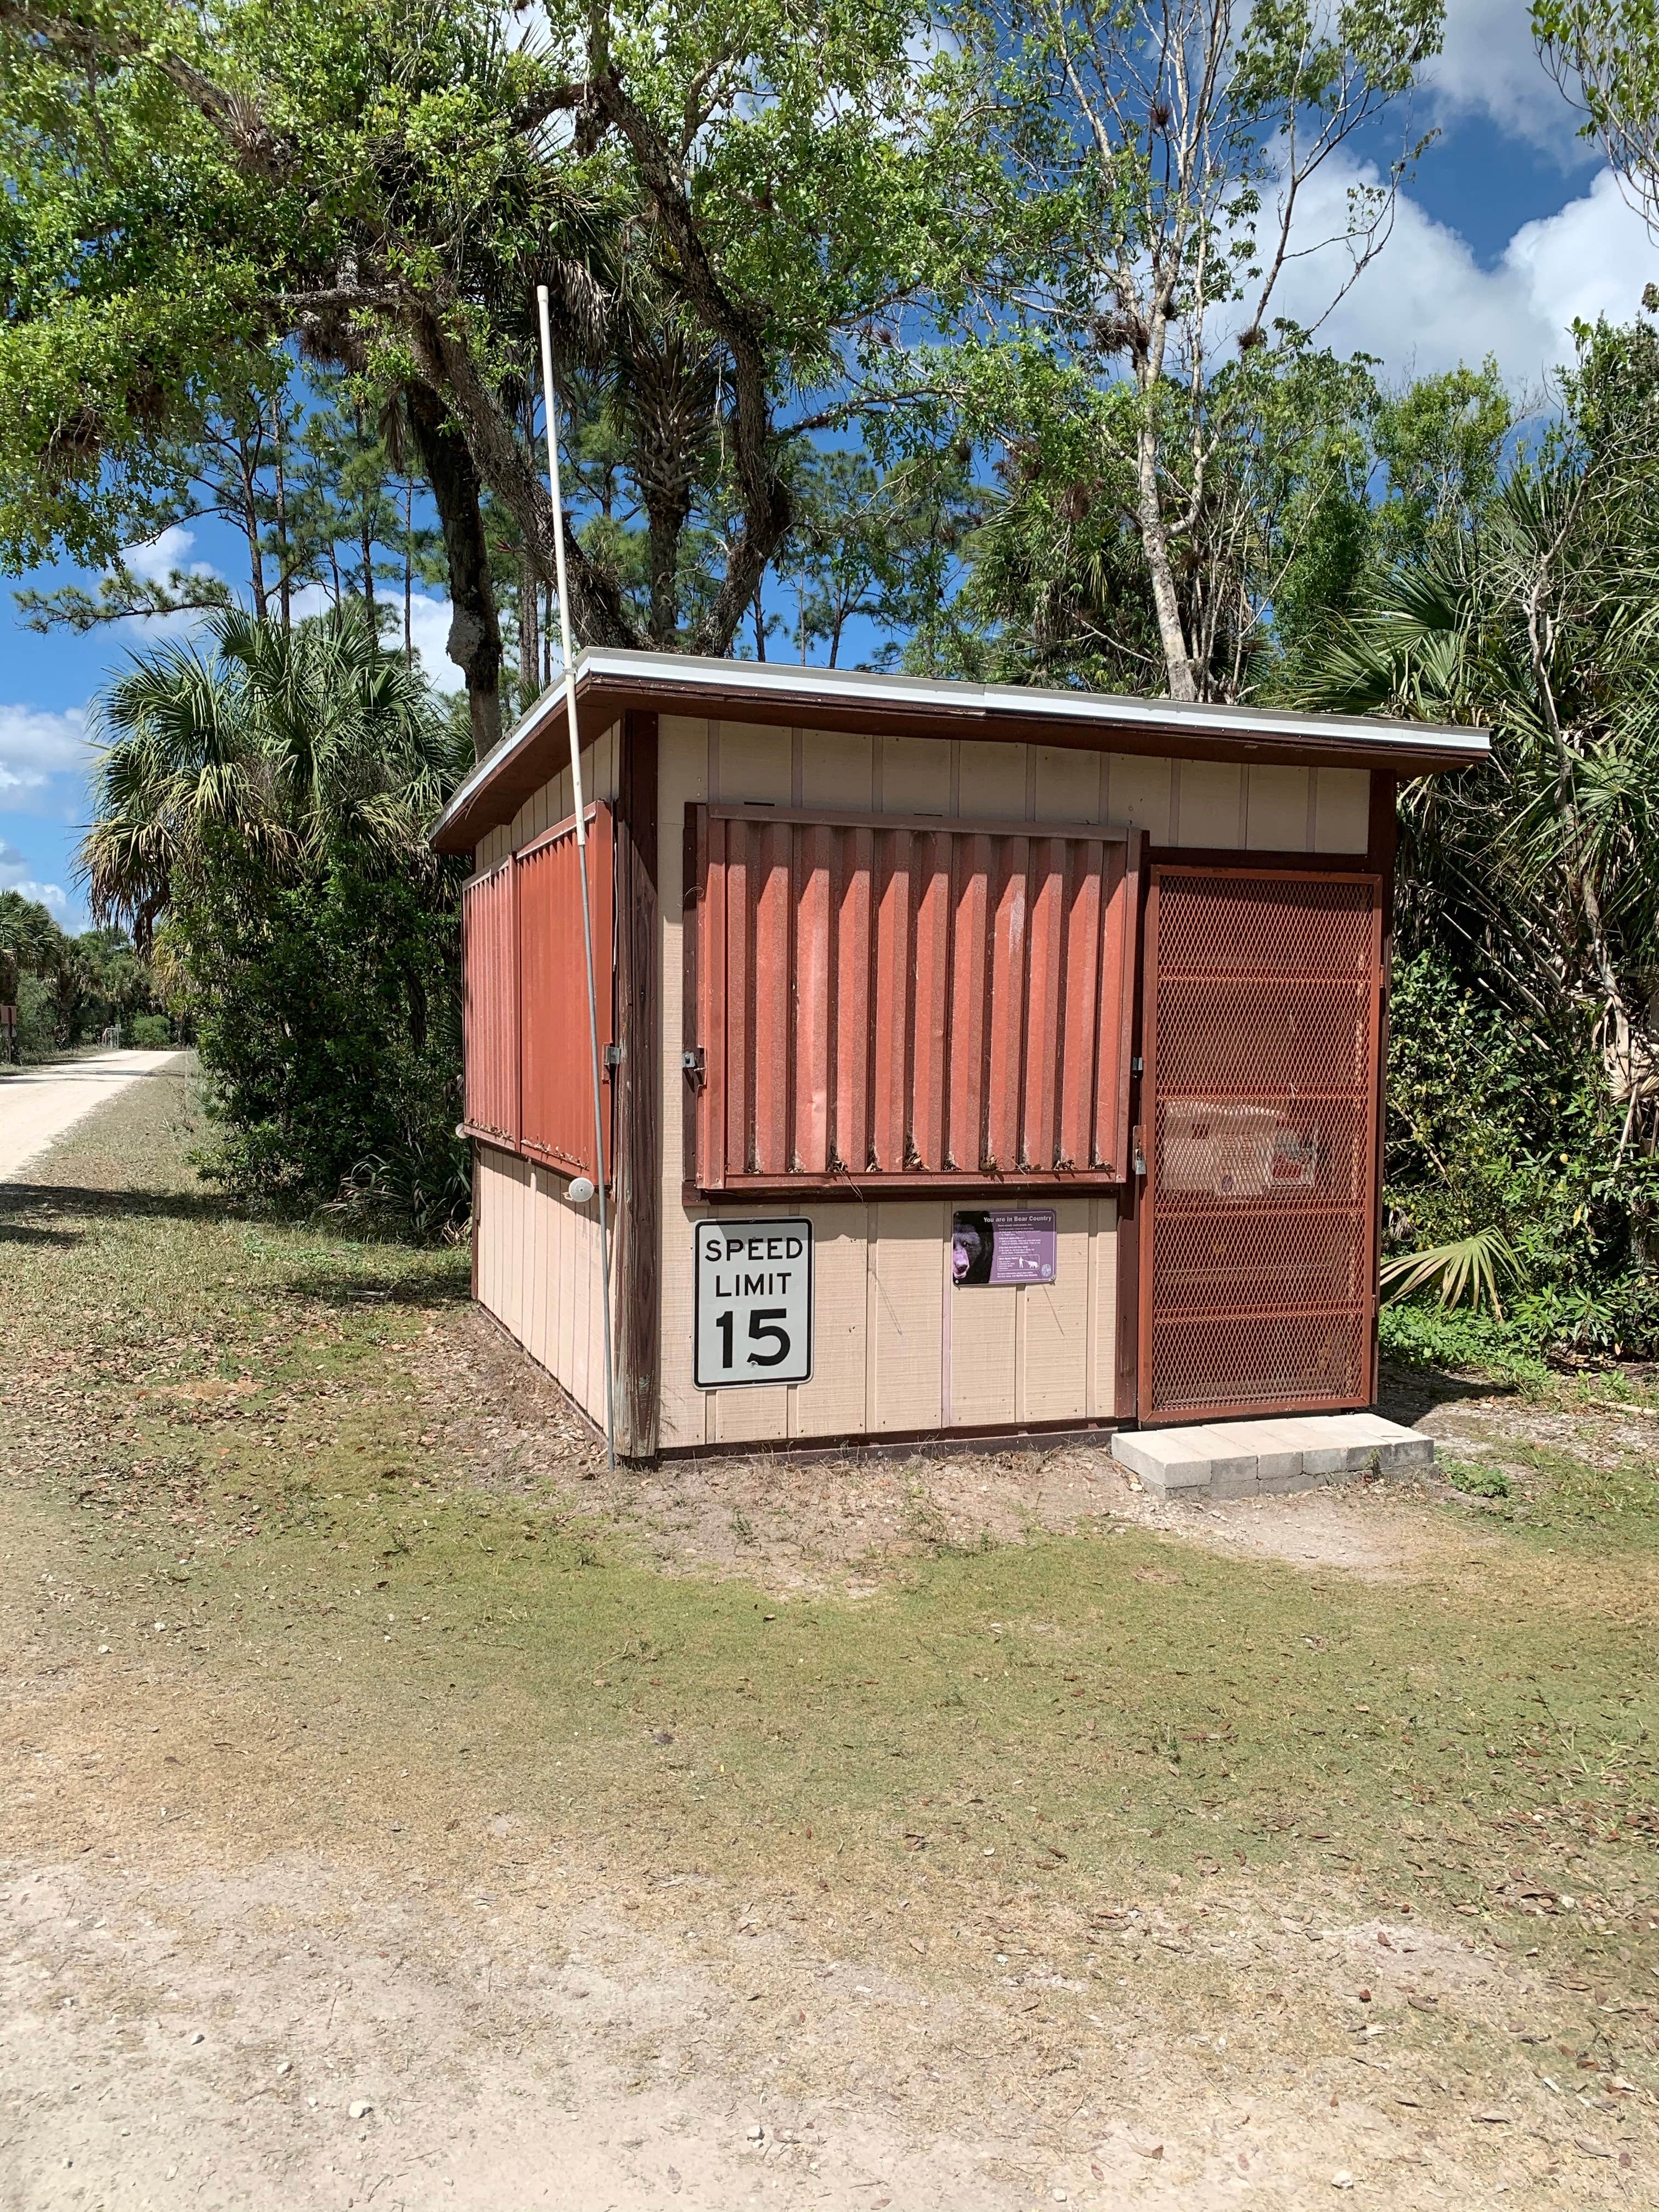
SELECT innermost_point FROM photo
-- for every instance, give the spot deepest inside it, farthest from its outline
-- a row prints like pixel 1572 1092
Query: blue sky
pixel 1509 227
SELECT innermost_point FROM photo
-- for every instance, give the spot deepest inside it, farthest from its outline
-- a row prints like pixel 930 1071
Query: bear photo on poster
pixel 1003 1247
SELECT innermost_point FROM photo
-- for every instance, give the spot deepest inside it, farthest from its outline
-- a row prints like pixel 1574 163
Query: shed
pixel 979 1059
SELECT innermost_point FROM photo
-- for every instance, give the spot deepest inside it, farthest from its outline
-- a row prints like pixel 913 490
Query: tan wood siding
pixel 538 1255
pixel 538 1270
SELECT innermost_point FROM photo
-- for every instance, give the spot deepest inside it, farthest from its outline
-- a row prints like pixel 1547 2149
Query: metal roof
pixel 609 681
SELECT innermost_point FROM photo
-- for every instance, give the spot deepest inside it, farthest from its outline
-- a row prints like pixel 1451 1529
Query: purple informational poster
pixel 1003 1245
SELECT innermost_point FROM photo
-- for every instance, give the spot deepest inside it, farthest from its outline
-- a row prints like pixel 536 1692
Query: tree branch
pixel 767 508
pixel 445 361
pixel 257 149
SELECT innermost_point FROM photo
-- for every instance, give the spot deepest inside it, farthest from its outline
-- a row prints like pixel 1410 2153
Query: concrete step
pixel 1257 1459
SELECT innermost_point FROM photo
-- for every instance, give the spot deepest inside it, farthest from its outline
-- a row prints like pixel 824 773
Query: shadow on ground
pixel 1407 1393
pixel 27 1208
pixel 339 1288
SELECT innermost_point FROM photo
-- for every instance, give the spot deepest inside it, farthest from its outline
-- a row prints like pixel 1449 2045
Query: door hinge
pixel 691 1062
pixel 1137 1065
pixel 613 1056
pixel 1139 1156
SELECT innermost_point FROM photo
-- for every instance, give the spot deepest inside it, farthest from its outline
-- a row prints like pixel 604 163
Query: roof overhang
pixel 610 682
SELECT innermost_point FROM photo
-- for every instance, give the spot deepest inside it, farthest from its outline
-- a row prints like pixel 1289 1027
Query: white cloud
pixel 1425 303
pixel 51 896
pixel 428 630
pixel 308 600
pixel 1489 65
pixel 36 746
pixel 1594 258
pixel 156 562
pixel 16 875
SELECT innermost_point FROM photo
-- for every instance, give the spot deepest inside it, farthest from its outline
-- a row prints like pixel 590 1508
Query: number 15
pixel 762 1329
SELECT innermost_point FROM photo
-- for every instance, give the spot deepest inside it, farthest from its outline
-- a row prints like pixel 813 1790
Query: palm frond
pixel 282 739
pixel 1468 1272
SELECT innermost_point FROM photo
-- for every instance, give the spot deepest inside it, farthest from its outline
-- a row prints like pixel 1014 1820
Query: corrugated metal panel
pixel 490 969
pixel 1263 995
pixel 911 1003
pixel 556 1113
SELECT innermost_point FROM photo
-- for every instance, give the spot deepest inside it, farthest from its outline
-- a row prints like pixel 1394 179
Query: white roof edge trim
pixel 767 678
pixel 527 724
pixel 763 677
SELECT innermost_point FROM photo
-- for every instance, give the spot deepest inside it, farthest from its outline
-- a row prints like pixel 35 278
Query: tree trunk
pixel 285 578
pixel 1155 542
pixel 251 528
pixel 366 529
pixel 664 524
pixel 529 650
pixel 475 633
pixel 368 574
pixel 495 455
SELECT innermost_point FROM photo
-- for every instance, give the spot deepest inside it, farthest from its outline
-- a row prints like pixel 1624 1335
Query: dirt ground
pixel 804 1523
pixel 347 1861
pixel 39 1103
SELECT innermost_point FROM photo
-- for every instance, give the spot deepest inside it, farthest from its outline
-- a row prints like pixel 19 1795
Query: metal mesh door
pixel 1262 1006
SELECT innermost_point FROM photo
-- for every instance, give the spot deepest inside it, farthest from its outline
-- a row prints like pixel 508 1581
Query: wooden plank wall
pixel 538 1270
pixel 896 1349
pixel 537 1255
pixel 553 803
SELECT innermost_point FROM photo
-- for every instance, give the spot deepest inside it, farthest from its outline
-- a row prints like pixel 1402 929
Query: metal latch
pixel 613 1056
pixel 691 1063
pixel 1139 1156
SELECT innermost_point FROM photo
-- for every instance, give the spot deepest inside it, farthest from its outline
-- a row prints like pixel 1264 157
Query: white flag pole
pixel 581 846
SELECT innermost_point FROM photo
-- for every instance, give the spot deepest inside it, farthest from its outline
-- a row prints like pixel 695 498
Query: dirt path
pixel 297 2035
pixel 39 1104
pixel 397 1811
pixel 304 2032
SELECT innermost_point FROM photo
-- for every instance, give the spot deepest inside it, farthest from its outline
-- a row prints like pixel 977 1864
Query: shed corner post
pixel 1130 1356
pixel 638 1107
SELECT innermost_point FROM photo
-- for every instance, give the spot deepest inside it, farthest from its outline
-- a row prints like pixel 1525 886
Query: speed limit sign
pixel 754 1302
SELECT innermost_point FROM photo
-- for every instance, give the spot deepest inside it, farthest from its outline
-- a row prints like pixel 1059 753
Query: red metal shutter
pixel 916 1003
pixel 557 1117
pixel 489 971
pixel 1263 999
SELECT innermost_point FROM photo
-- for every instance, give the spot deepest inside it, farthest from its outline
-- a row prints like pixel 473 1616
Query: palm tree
pixel 1536 872
pixel 284 740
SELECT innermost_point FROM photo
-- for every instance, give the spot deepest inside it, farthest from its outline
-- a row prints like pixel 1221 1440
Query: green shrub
pixel 37 1022
pixel 1478 1481
pixel 1425 1334
pixel 1495 1124
pixel 327 1016
pixel 151 1032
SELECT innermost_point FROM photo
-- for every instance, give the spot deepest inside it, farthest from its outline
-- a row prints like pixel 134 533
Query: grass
pixel 1477 1481
pixel 1545 1491
pixel 228 1442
